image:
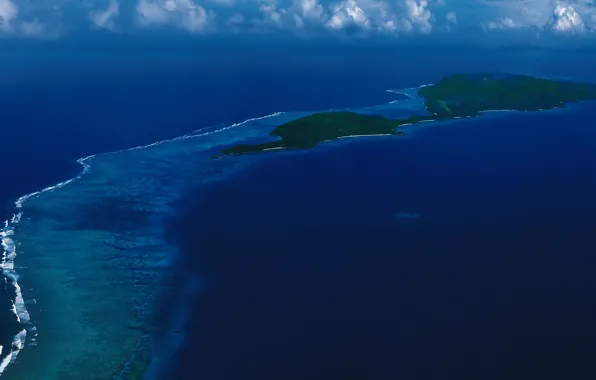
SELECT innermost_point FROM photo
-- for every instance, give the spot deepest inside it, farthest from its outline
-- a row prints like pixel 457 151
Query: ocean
pixel 118 95
pixel 107 237
pixel 462 251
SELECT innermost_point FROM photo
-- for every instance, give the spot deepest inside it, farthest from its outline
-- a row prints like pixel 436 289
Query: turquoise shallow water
pixel 93 260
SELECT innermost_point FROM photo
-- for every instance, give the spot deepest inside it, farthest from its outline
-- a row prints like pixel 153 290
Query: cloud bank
pixel 570 17
pixel 397 18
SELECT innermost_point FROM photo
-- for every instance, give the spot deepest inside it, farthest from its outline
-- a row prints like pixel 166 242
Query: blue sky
pixel 301 18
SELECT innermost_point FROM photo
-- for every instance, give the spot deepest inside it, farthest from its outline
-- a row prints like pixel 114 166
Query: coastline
pixel 373 135
pixel 52 310
pixel 28 335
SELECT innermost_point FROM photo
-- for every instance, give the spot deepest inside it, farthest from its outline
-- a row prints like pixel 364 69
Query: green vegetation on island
pixel 308 131
pixel 458 95
pixel 468 95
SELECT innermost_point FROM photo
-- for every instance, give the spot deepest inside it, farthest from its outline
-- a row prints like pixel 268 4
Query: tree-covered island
pixel 458 95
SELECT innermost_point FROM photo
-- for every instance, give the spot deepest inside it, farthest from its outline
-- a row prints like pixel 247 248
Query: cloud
pixel 10 24
pixel 419 15
pixel 185 14
pixel 559 16
pixel 362 17
pixel 308 18
pixel 271 13
pixel 348 14
pixel 566 20
pixel 503 23
pixel 309 9
pixel 105 19
pixel 8 12
pixel 384 17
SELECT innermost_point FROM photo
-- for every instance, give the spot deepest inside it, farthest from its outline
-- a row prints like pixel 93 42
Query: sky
pixel 539 19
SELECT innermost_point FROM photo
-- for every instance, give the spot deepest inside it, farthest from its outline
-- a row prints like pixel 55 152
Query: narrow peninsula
pixel 455 96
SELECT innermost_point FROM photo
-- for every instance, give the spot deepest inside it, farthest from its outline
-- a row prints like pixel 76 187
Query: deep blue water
pixel 61 101
pixel 464 251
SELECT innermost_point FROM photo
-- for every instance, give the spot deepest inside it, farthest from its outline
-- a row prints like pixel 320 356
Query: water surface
pixel 307 273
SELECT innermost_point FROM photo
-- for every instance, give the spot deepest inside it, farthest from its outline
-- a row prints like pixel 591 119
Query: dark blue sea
pixel 460 248
pixel 64 100
pixel 463 251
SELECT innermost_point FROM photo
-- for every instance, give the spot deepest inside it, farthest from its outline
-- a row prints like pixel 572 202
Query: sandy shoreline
pixel 371 135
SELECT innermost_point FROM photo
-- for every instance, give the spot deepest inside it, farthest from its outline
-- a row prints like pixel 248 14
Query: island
pixel 455 96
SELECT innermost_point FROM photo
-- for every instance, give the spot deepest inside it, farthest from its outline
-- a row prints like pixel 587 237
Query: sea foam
pixel 7 264
pixel 18 304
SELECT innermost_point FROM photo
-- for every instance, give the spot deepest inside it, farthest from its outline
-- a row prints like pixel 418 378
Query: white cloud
pixel 381 16
pixel 151 12
pixel 562 16
pixel 8 11
pixel 185 14
pixel 418 15
pixel 105 19
pixel 271 13
pixel 566 20
pixel 503 23
pixel 303 17
pixel 348 14
pixel 310 10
